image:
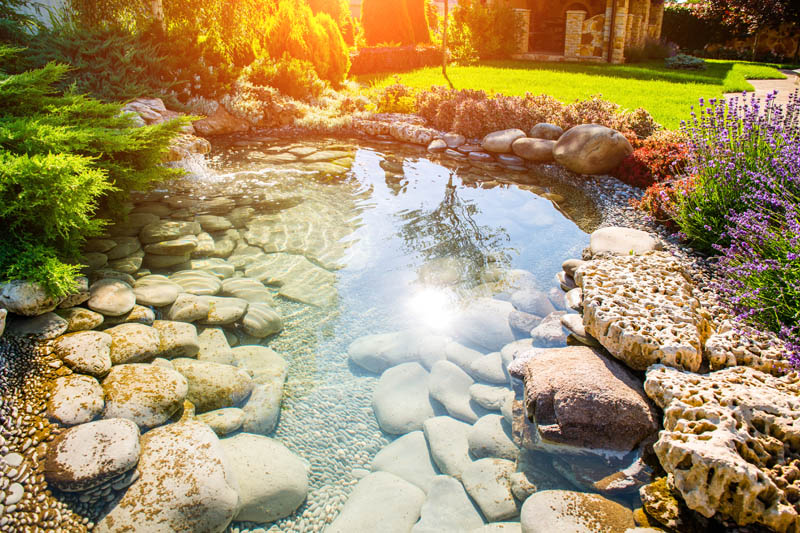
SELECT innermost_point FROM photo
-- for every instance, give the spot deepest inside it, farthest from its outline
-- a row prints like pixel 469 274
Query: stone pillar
pixel 572 37
pixel 645 29
pixel 620 23
pixel 524 16
pixel 656 19
pixel 607 28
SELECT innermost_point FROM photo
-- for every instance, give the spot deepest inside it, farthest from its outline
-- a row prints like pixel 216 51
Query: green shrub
pixel 651 49
pixel 62 155
pixel 386 21
pixel 684 62
pixel 396 98
pixel 339 10
pixel 492 29
pixel 292 77
pixel 419 20
pixel 684 25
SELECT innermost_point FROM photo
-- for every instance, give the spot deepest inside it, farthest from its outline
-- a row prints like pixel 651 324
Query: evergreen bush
pixel 62 155
pixel 419 20
pixel 492 29
pixel 386 21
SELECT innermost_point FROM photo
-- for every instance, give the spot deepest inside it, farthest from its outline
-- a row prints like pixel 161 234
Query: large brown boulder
pixel 220 123
pixel 578 397
pixel 591 149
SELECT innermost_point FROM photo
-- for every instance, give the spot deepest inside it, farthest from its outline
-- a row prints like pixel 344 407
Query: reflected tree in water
pixel 450 231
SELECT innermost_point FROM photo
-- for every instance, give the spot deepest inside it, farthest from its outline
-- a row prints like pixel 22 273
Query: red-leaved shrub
pixel 660 200
pixel 654 160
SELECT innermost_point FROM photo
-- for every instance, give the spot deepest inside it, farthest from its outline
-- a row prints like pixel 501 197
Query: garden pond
pixel 364 238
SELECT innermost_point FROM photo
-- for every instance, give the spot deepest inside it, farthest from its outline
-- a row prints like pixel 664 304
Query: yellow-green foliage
pixel 339 10
pixel 61 156
pixel 386 21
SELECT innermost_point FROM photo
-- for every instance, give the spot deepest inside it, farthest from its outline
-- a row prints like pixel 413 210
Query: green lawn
pixel 667 94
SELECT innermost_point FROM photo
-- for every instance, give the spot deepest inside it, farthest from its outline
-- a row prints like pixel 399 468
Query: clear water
pixel 394 212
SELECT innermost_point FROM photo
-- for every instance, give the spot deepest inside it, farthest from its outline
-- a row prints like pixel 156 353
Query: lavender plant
pixel 746 208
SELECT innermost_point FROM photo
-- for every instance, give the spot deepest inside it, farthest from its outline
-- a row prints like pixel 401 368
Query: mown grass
pixel 666 94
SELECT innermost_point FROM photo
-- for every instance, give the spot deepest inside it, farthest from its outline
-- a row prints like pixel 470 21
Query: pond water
pixel 372 239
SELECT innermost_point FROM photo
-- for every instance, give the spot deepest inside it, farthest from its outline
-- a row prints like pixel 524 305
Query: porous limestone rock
pixel 740 345
pixel 579 398
pixel 642 309
pixel 731 441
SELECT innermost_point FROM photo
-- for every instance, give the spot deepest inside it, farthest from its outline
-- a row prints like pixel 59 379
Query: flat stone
pixel 201 495
pixel 75 399
pixel 180 246
pixel 437 145
pixel 488 396
pixel 178 339
pixel 273 481
pixel 212 385
pixel 380 502
pixel 511 160
pixel 156 291
pixel 401 399
pixel 223 311
pixel 43 327
pixel 571 265
pixel 146 394
pixel 128 265
pixel 484 322
pixel 216 266
pixel 574 324
pixel 138 315
pixel 86 352
pixel 567 283
pixel 491 437
pixel 453 140
pixel 488 483
pixel 622 241
pixel 408 458
pixel 161 262
pixel 499 527
pixel 261 321
pixel 376 353
pixel 80 318
pixel 124 247
pixel 536 150
pixel 111 297
pixel 247 289
pixel 532 301
pixel 197 282
pixel 449 385
pixel 564 510
pixel 501 141
pixel 574 299
pixel 549 332
pixel 78 295
pixel 448 440
pixel 131 224
pixel 133 343
pixel 167 230
pixel 522 322
pixel 99 245
pixel 212 223
pixel 268 371
pixel 188 308
pixel 86 456
pixel 223 421
pixel 489 368
pixel 26 298
pixel 214 346
pixel 447 509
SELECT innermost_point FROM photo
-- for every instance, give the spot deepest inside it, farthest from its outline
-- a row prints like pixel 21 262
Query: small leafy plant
pixel 685 62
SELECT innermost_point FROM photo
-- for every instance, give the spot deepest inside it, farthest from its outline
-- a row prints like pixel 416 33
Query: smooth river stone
pixel 380 502
pixel 201 495
pixel 408 458
pixel 75 399
pixel 188 308
pixel 133 343
pixel 212 385
pixel 448 440
pixel 124 247
pixel 178 339
pixel 449 385
pixel 223 311
pixel 269 371
pixel 401 399
pixel 223 421
pixel 488 483
pixel 261 321
pixel 491 437
pixel 86 352
pixel 215 266
pixel 376 353
pixel 212 223
pixel 42 328
pixel 488 396
pixel 80 318
pixel 214 346
pixel 197 282
pixel 111 297
pixel 447 509
pixel 156 291
pixel 461 355
pixel 273 481
pixel 622 241
pixel 88 455
pixel 146 394
pixel 298 278
pixel 489 368
pixel 181 246
pixel 247 289
pixel 167 230
pixel 485 323
pixel 138 315
pixel 576 512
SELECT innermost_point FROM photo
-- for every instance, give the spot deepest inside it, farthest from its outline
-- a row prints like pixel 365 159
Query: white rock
pixel 269 371
pixel 201 495
pixel 447 509
pixel 111 297
pixel 401 399
pixel 213 385
pixel 449 444
pixel 489 368
pixel 75 399
pixel 449 385
pixel 573 512
pixel 214 346
pixel 488 483
pixel 273 481
pixel 223 311
pixel 261 321
pixel 147 394
pixel 488 396
pixel 86 352
pixel 622 241
pixel 380 502
pixel 549 333
pixel 407 458
pixel 485 323
pixel 491 437
pixel 223 421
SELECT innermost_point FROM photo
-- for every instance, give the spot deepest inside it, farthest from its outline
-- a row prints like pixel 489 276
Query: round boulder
pixel 591 149
pixel 273 481
pixel 88 455
pixel 86 352
pixel 111 297
pixel 147 394
pixel 536 150
pixel 26 298
pixel 501 141
pixel 76 399
pixel 133 343
pixel 543 130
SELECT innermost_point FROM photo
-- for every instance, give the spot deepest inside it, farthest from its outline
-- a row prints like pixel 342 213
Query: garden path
pixel 784 87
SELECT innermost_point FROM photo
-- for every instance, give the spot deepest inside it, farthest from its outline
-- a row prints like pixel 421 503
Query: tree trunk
pixel 444 42
pixel 755 44
pixel 157 10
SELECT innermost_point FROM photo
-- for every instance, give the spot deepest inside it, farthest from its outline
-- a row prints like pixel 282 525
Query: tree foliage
pixel 386 21
pixel 752 15
pixel 62 155
pixel 419 20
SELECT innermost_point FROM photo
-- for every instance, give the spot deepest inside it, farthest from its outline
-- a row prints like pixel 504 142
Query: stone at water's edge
pixel 485 323
pixel 213 385
pixel 269 371
pixel 87 352
pixel 223 421
pixel 448 440
pixel 146 394
pixel 3 314
pixel 401 400
pixel 133 343
pixel 75 399
pixel 88 455
pixel 543 130
pixel 620 241
pixel 501 141
pixel 111 297
pixel 380 502
pixel 199 496
pixel 536 150
pixel 42 328
pixel 220 123
pixel 491 437
pixel 26 298
pixel 177 339
pixel 565 511
pixel 449 385
pixel 581 399
pixel 488 482
pixel 447 509
pixel 643 310
pixel 730 440
pixel 591 149
pixel 408 458
pixel 273 481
